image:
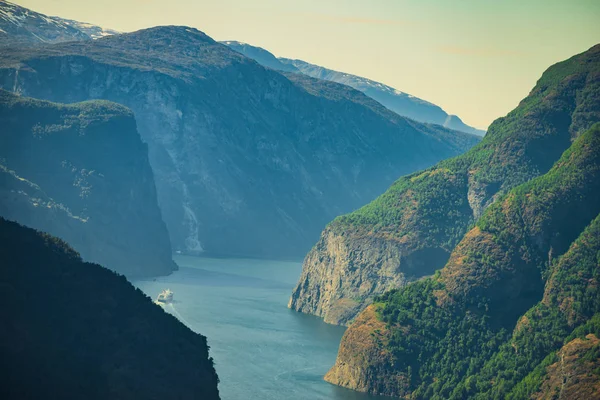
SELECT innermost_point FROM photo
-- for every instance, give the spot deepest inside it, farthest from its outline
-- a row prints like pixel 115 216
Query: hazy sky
pixel 474 58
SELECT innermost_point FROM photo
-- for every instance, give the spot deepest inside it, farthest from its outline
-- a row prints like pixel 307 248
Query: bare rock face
pixel 344 272
pixel 363 359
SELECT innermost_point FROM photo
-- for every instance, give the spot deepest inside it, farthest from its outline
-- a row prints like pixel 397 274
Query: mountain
pixel 410 231
pixel 529 266
pixel 92 31
pixel 20 24
pixel 260 55
pixel 247 161
pixel 81 172
pixel 399 102
pixel 76 330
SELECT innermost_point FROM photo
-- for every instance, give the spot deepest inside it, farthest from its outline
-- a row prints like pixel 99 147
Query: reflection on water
pixel 262 350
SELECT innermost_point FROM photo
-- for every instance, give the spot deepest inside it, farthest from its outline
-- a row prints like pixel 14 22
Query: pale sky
pixel 474 58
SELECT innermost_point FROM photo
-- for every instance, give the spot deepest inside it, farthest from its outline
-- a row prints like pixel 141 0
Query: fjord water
pixel 262 350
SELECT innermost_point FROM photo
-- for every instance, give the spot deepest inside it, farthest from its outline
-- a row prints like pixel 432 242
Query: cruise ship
pixel 165 297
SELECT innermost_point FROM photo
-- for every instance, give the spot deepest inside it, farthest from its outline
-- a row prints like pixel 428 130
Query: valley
pixel 183 217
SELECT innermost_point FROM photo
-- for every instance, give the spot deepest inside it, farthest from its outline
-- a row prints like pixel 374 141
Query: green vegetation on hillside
pixel 74 330
pixel 447 332
pixel 571 298
pixel 436 206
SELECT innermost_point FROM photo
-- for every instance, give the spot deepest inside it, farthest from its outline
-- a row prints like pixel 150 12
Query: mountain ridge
pixel 448 336
pixel 399 102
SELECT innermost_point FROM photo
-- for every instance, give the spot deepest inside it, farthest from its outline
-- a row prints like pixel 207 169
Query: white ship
pixel 165 297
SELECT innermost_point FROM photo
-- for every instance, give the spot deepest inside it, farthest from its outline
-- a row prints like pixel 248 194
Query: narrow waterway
pixel 262 350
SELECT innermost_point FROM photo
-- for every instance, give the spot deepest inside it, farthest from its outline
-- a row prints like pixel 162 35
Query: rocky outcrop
pixel 363 359
pixel 410 231
pixel 247 161
pixel 343 273
pixel 576 373
pixel 81 172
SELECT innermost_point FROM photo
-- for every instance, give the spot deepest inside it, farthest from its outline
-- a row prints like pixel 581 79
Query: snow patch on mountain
pixel 21 24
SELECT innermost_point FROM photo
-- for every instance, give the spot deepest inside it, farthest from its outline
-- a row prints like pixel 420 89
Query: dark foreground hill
pixel 247 161
pixel 75 330
pixel 81 172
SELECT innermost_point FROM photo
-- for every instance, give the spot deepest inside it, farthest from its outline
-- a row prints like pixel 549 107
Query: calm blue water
pixel 262 350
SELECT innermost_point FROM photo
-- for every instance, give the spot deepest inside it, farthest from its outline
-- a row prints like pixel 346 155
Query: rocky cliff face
pixel 247 161
pixel 344 272
pixel 82 173
pixel 410 231
pixel 363 359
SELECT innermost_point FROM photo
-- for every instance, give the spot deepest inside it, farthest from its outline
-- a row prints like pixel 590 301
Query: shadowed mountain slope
pixel 247 161
pixel 81 172
pixel 75 330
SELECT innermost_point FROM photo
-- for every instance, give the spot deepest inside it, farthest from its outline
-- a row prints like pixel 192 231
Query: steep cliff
pixel 363 358
pixel 75 330
pixel 247 161
pixel 81 172
pixel 410 230
pixel 529 265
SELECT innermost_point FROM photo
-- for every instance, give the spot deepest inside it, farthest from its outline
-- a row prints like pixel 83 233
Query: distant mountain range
pixel 22 24
pixel 247 161
pixel 401 103
pixel 19 24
